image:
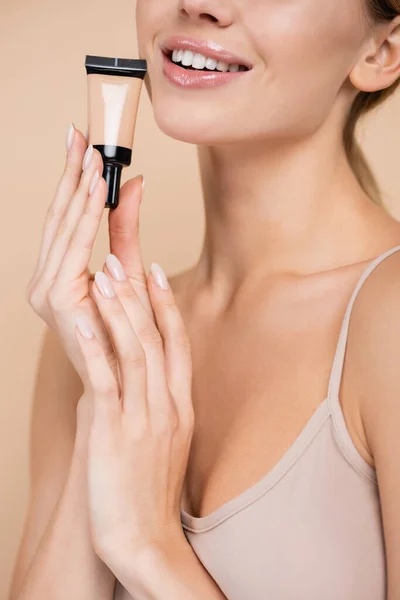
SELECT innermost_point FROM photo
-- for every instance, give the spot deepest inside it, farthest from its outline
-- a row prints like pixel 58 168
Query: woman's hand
pixel 60 287
pixel 140 436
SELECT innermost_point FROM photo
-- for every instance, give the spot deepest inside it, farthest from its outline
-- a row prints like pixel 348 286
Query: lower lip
pixel 187 78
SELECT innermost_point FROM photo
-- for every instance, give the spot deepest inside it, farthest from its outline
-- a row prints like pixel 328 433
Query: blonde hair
pixel 377 11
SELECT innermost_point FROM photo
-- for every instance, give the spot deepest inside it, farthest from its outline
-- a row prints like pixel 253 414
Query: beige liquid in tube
pixel 114 86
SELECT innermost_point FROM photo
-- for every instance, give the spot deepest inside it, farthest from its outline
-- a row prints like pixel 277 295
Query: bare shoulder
pixel 374 361
pixel 373 351
pixel 377 307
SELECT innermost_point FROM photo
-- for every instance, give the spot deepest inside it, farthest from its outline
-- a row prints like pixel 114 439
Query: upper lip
pixel 206 47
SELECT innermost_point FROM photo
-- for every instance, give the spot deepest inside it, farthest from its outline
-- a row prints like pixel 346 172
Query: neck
pixel 282 207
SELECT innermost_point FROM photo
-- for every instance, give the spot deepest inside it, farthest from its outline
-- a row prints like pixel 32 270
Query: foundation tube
pixel 114 86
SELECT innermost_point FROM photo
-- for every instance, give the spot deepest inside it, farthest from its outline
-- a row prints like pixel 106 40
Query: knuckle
pixel 66 172
pixel 136 359
pixel 105 387
pixel 121 230
pixel 101 381
pixel 111 359
pixel 84 406
pixel 81 242
pixel 36 297
pixel 149 335
pixel 29 293
pixel 126 290
pixel 52 214
pixel 182 341
pixel 139 430
pixel 70 172
pixel 138 278
pixel 188 420
pixel 174 422
pixel 169 303
pixel 63 227
pixel 167 422
pixel 92 214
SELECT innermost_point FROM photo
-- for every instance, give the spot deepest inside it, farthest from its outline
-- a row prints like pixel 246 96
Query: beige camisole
pixel 311 528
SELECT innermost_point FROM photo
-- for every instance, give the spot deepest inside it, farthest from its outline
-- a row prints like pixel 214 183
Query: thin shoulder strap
pixel 337 367
pixel 342 434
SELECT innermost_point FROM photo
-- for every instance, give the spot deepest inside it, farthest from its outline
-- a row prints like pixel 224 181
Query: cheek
pixel 152 17
pixel 301 29
pixel 306 50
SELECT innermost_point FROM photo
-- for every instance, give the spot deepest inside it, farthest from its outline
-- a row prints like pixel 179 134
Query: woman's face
pixel 302 52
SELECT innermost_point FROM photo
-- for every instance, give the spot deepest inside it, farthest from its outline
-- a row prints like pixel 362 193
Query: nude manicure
pixel 84 327
pixel 115 267
pixel 159 276
pixel 70 137
pixel 104 284
pixel 94 181
pixel 88 157
pixel 141 198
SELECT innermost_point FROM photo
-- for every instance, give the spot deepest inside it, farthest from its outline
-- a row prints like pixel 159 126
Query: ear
pixel 379 66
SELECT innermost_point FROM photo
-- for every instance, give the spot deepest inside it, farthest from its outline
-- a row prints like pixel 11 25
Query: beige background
pixel 43 87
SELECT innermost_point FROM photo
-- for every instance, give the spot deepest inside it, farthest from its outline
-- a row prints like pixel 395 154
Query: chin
pixel 183 126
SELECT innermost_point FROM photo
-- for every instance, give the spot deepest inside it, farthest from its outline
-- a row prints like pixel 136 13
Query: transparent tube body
pixel 113 105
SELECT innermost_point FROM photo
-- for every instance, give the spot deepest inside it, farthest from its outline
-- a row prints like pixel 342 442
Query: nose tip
pixel 205 10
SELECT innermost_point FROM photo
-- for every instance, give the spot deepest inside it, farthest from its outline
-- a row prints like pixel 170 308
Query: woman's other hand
pixel 60 287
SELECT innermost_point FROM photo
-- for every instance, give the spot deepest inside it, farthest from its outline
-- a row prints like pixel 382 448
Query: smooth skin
pixel 58 294
pixel 287 227
pixel 146 365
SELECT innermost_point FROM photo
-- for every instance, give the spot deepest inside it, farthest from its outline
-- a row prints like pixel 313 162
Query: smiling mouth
pixel 168 54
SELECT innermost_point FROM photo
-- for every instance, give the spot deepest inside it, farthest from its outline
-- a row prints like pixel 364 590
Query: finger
pixel 145 328
pixel 66 187
pixel 128 349
pixel 71 218
pixel 177 351
pixel 100 378
pixel 76 259
pixel 124 237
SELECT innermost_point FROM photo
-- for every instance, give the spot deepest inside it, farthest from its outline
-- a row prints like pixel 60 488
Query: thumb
pixel 123 223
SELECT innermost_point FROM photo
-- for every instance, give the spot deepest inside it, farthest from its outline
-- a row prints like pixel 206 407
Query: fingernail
pixel 115 267
pixel 84 327
pixel 94 181
pixel 159 276
pixel 141 197
pixel 88 157
pixel 70 137
pixel 104 284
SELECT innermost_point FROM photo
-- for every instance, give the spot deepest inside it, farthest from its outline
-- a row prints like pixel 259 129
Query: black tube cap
pixel 112 175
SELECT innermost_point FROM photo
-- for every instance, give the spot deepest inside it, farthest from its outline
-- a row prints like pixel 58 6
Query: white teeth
pixel 211 64
pixel 199 61
pixel 177 55
pixel 187 58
